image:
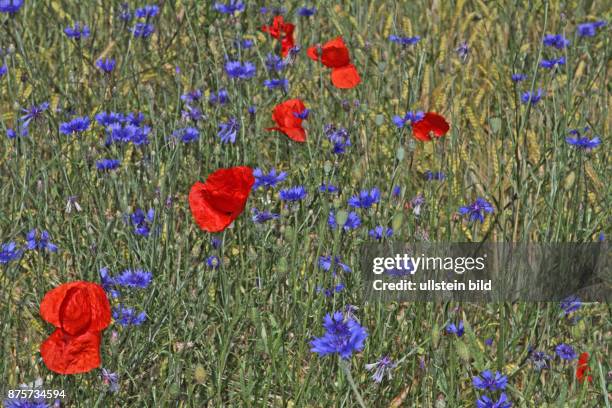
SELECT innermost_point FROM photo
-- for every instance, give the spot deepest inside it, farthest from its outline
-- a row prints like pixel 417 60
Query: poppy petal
pixel 335 54
pixel 66 354
pixel 345 77
pixel 313 53
pixel 55 309
pixel 221 198
pixel 431 122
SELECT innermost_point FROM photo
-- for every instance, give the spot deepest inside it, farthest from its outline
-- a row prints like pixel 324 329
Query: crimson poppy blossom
pixel 221 198
pixel 79 311
pixel 281 31
pixel 583 368
pixel 335 55
pixel 288 117
pixel 431 123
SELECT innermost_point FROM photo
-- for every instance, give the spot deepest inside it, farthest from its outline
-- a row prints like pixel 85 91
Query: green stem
pixel 349 377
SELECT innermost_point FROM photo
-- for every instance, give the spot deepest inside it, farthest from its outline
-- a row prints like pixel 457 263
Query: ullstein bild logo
pixel 486 272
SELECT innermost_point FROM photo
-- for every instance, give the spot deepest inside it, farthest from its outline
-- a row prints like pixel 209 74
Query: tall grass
pixel 239 335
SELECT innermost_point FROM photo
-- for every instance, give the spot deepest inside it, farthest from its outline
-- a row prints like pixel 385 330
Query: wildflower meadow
pixel 187 189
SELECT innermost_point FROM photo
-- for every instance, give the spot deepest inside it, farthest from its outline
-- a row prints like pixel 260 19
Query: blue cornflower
pixel 379 232
pixel 570 304
pixel 216 242
pixel 330 292
pixel 239 70
pixel 488 341
pixel 252 110
pixel 33 113
pixel 41 244
pixel 213 262
pixel 76 125
pixel 221 97
pixel 22 131
pixel 550 64
pixel 303 114
pixel 126 316
pixel 463 51
pixel 590 29
pixel 382 366
pixel 409 117
pixel 365 199
pixel 405 41
pixel 134 119
pixel 9 252
pixel 532 98
pixel 477 210
pixel 228 130
pixel 111 380
pixel 583 143
pixel 275 63
pixel 107 65
pixel 293 194
pixel 539 359
pixel 435 175
pixel 188 134
pixel 486 402
pixel 339 137
pixel 106 280
pixel 109 118
pixel 24 402
pixel 148 11
pixel 555 40
pixel 192 113
pixel 328 188
pixel 233 7
pixel 243 43
pixel 134 279
pixel 352 221
pixel 192 96
pixel 259 217
pixel 343 336
pixel 127 133
pixel 277 83
pixel 487 381
pixel 451 328
pixel 326 261
pixel 3 70
pixel 397 191
pixel 108 164
pixel 143 30
pixel 10 6
pixel 565 351
pixel 77 32
pixel 142 222
pixel 267 180
pixel 518 77
pixel 125 15
pixel 307 12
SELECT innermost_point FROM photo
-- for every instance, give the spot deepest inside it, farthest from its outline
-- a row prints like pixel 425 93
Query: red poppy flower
pixel 335 55
pixel 432 122
pixel 288 117
pixel 281 31
pixel 583 368
pixel 221 198
pixel 80 311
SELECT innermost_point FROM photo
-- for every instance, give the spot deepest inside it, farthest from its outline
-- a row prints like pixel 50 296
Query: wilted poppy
pixel 288 117
pixel 335 55
pixel 431 123
pixel 281 31
pixel 583 368
pixel 221 198
pixel 80 311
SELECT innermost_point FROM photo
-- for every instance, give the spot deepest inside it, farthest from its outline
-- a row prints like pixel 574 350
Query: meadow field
pixel 245 289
